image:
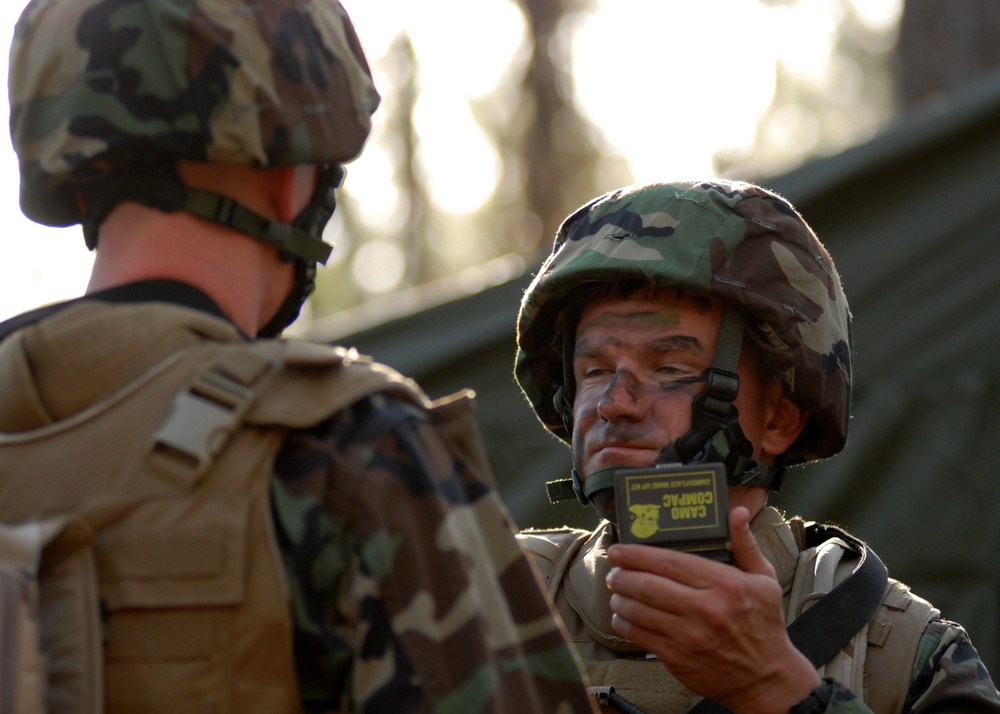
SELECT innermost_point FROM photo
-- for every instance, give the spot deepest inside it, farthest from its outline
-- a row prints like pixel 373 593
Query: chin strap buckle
pixel 566 489
pixel 716 434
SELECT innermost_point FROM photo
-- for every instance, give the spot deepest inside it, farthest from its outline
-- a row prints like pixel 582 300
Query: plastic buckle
pixel 722 384
pixel 199 424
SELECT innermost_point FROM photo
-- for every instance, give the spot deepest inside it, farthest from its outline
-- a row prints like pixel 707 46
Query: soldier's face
pixel 638 363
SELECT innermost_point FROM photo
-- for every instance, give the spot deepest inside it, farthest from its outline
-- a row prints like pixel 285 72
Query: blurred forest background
pixel 887 142
pixel 499 117
pixel 548 155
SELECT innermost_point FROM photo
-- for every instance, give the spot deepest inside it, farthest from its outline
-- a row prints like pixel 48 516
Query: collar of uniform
pixel 163 291
pixel 80 352
pixel 168 291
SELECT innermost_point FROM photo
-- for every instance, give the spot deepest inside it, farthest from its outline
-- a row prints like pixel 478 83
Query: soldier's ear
pixel 783 422
pixel 289 189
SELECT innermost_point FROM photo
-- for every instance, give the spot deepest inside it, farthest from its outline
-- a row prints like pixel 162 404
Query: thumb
pixel 746 553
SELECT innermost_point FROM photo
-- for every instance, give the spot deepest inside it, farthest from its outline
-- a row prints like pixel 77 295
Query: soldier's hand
pixel 719 629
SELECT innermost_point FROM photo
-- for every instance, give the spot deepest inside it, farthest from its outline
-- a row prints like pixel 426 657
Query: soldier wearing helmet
pixel 690 342
pixel 229 523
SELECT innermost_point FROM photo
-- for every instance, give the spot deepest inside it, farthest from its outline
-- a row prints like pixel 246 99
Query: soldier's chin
pixel 605 500
pixel 669 454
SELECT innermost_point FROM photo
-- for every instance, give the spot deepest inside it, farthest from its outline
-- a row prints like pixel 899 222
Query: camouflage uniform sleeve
pixel 831 697
pixel 947 676
pixel 409 591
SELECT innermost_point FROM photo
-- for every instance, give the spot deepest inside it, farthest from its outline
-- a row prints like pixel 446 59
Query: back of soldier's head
pixel 98 85
pixel 106 96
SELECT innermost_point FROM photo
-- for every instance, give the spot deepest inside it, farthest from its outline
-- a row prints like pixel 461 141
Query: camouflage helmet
pixel 97 83
pixel 731 239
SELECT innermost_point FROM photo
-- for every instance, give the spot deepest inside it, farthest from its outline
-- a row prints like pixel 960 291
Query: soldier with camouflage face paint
pixel 704 324
pixel 255 525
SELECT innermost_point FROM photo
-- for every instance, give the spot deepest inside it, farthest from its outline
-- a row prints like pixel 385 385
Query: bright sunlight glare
pixel 669 83
pixel 669 88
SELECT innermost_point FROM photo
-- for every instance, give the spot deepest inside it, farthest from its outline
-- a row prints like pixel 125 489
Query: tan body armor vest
pixel 876 663
pixel 156 494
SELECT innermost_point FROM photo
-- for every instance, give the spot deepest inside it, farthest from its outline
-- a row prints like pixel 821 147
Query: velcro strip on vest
pixel 898 598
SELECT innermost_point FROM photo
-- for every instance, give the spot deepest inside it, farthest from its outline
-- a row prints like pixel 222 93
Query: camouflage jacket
pixel 409 593
pixel 379 528
pixel 944 674
pixel 947 676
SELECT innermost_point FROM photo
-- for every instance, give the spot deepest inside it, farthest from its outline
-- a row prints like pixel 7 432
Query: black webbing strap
pixel 836 618
pixel 283 236
pixel 823 630
pixel 723 384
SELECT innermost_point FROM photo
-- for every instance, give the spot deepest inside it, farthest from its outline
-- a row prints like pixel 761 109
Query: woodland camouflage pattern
pixel 732 239
pixel 947 669
pixel 386 616
pixel 114 80
pixel 947 673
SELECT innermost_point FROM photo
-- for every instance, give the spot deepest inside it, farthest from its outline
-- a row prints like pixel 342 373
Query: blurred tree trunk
pixel 945 46
pixel 553 157
pixel 543 155
pixel 820 115
pixel 400 126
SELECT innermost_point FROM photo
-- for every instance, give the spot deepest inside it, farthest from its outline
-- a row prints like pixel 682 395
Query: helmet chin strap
pixel 301 240
pixel 311 220
pixel 715 435
pixel 160 187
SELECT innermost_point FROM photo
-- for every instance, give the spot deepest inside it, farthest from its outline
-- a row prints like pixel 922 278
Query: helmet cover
pixel 735 240
pixel 98 84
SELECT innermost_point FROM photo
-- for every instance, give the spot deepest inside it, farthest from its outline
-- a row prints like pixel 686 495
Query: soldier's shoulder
pixel 563 533
pixel 549 544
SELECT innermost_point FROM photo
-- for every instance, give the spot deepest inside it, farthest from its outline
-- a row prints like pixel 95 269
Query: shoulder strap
pixel 552 550
pixel 822 630
pixel 282 383
pixel 51 659
pixel 317 380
